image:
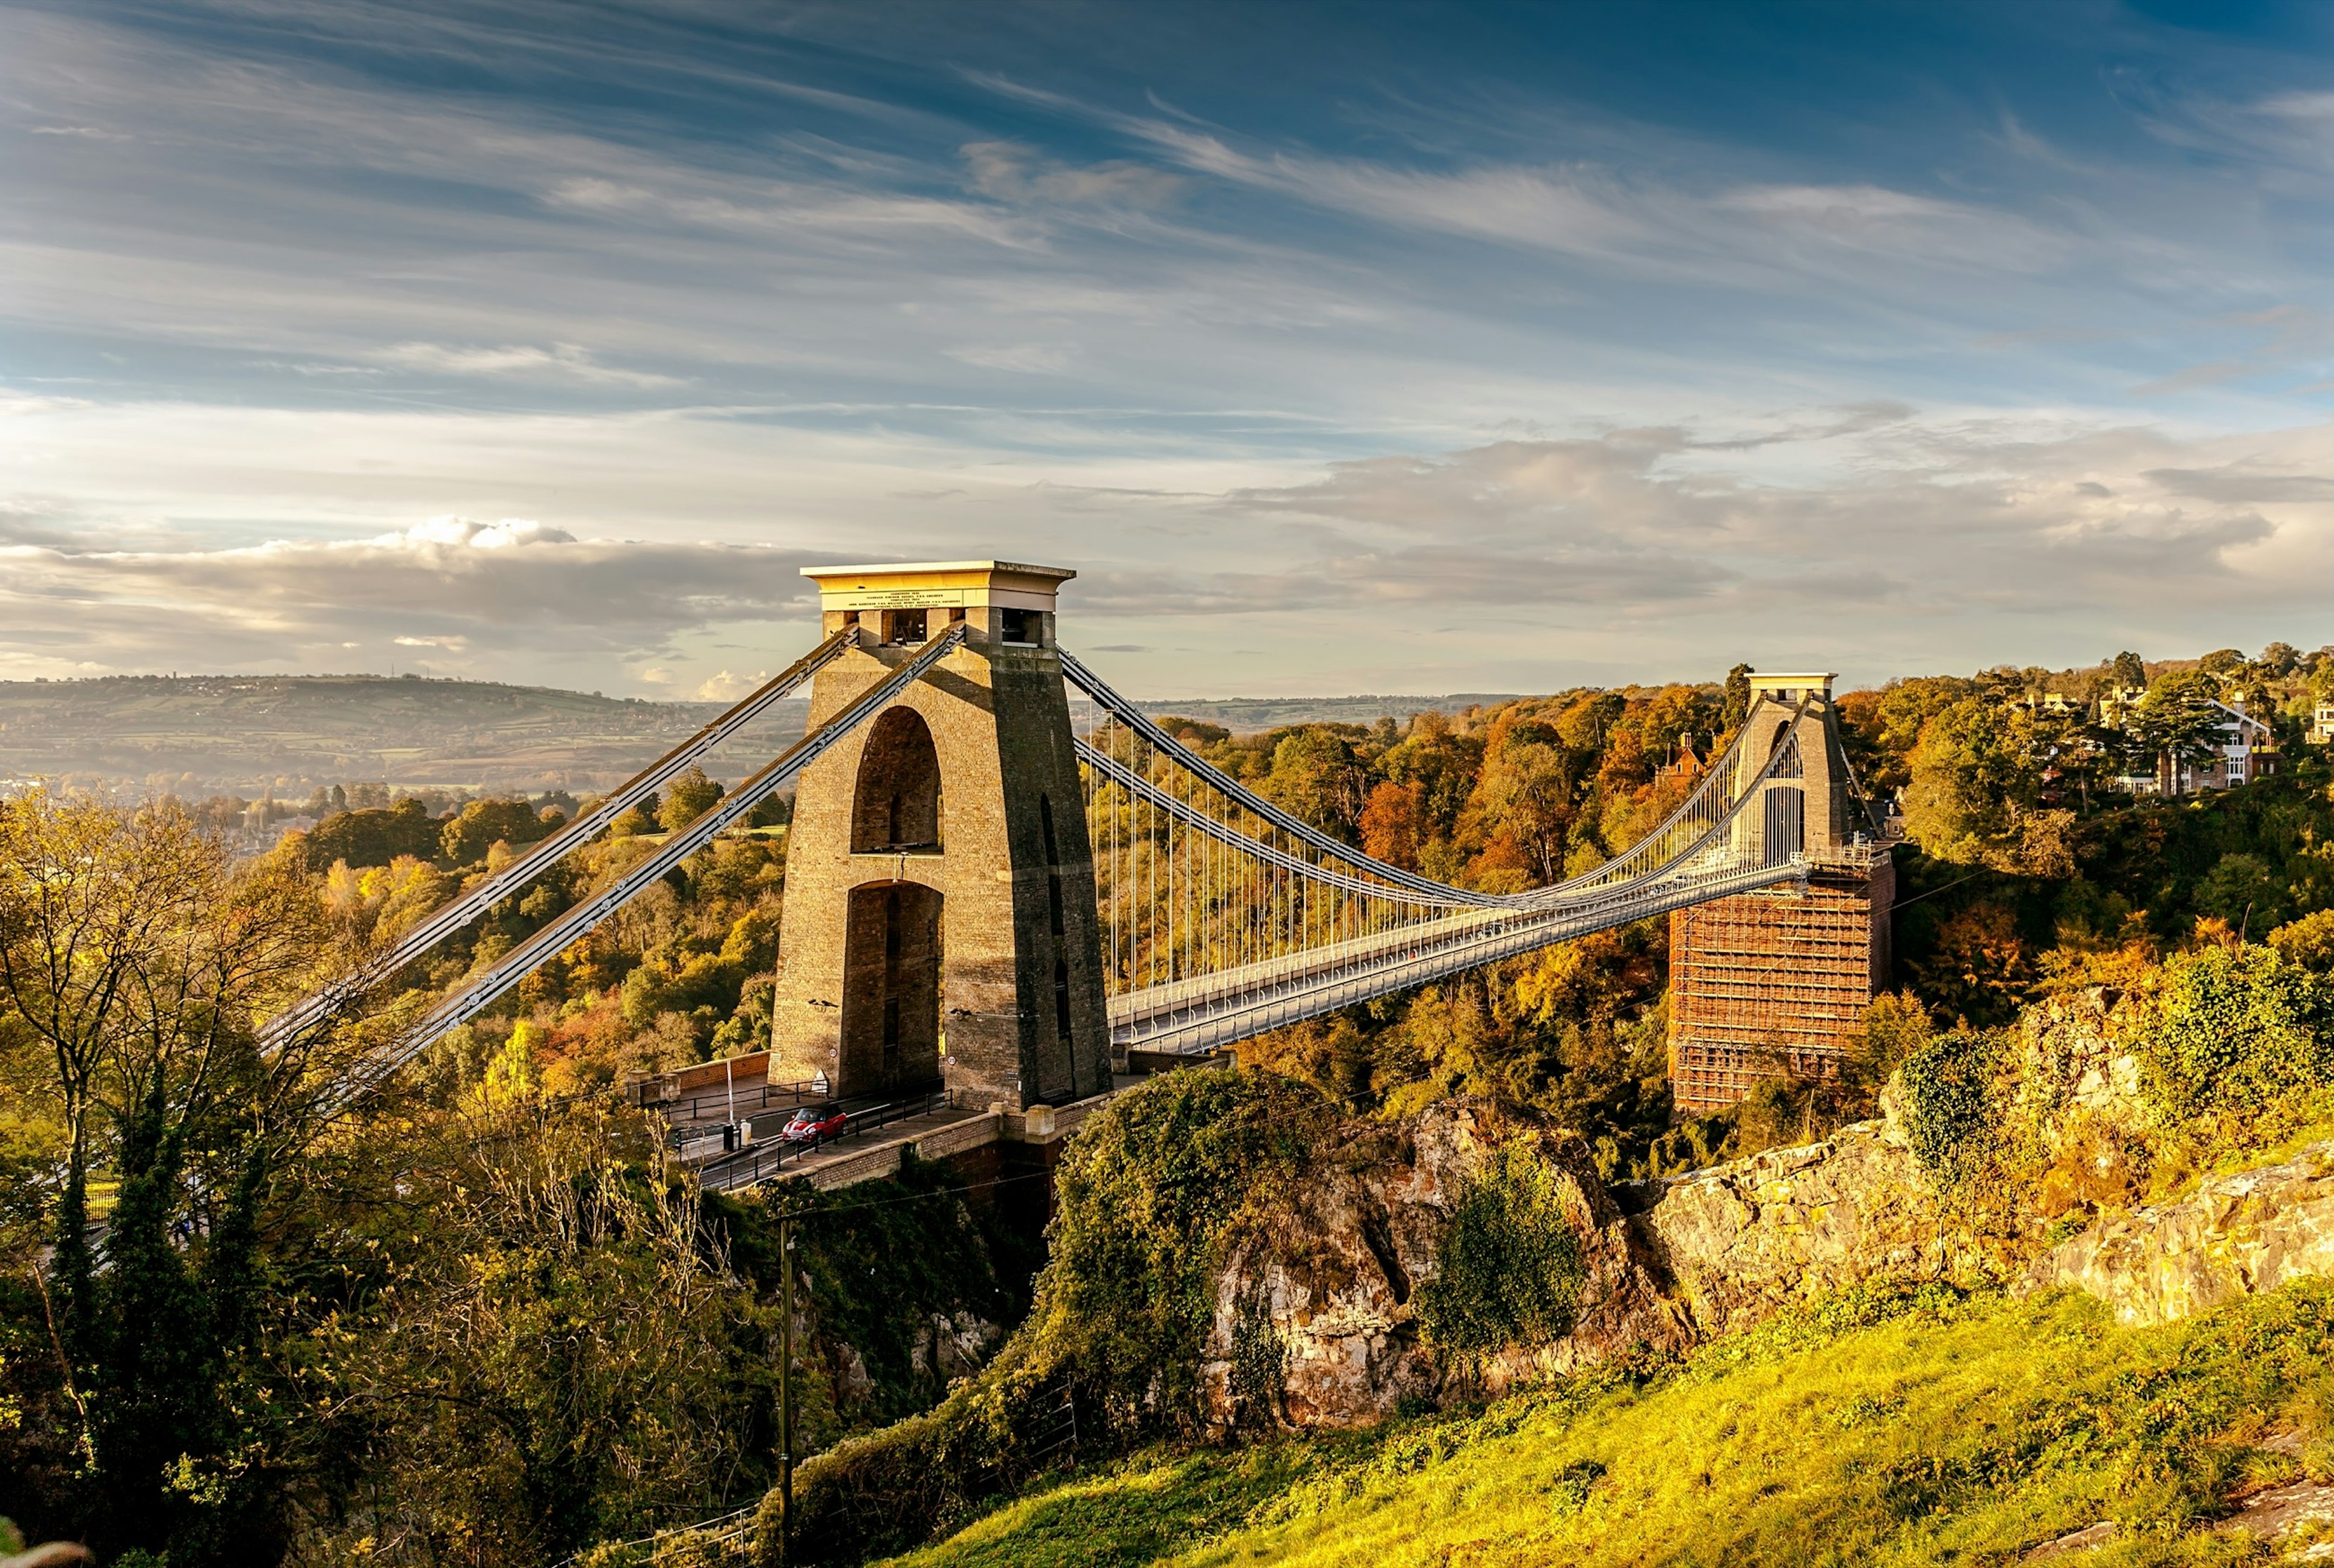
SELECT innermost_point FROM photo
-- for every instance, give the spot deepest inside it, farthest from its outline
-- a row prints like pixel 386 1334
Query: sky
pixel 1351 348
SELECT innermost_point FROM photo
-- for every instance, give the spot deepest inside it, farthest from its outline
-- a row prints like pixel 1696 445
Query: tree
pixel 2180 720
pixel 2221 661
pixel 687 798
pixel 465 839
pixel 1441 766
pixel 1734 705
pixel 1978 966
pixel 555 1364
pixel 373 837
pixel 1880 730
pixel 1390 825
pixel 135 959
pixel 1526 794
pixel 1316 776
pixel 2130 672
pixel 2244 890
pixel 1975 775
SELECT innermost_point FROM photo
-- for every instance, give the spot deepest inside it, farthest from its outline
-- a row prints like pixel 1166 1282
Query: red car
pixel 814 1124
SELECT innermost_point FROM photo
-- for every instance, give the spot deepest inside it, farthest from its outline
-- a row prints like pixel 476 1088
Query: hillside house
pixel 2243 749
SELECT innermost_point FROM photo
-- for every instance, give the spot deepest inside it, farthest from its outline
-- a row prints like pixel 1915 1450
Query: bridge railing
pixel 1219 906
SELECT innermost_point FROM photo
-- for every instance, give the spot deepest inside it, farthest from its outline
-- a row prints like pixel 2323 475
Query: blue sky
pixel 1407 348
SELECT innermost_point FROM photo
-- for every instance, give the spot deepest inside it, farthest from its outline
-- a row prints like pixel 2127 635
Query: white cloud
pixel 1010 172
pixel 493 594
pixel 559 361
pixel 726 686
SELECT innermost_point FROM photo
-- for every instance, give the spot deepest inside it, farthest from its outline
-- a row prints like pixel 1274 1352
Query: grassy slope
pixel 1928 1430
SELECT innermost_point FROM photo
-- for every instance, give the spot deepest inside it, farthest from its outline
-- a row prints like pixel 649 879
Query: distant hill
pixel 199 735
pixel 196 736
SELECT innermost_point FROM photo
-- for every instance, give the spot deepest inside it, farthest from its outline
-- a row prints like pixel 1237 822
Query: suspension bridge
pixel 1007 887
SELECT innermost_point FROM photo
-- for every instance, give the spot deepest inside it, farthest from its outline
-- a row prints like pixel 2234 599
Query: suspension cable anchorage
pixel 538 949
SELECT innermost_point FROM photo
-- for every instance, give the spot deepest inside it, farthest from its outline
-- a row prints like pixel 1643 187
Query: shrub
pixel 2308 941
pixel 1150 1199
pixel 1510 1270
pixel 1946 1086
pixel 2240 1033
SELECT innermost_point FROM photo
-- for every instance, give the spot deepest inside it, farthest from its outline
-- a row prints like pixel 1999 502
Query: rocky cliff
pixel 2239 1235
pixel 1333 1275
pixel 1329 1282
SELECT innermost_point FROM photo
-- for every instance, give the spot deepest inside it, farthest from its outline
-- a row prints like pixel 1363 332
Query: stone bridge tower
pixel 1774 984
pixel 940 917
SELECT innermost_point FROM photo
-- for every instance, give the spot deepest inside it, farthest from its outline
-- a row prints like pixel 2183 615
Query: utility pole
pixel 786 1391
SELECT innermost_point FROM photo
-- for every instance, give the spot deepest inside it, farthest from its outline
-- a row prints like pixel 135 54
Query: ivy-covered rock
pixel 1470 1246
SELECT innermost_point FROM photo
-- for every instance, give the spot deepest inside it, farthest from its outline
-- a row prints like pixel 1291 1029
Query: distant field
pixel 239 734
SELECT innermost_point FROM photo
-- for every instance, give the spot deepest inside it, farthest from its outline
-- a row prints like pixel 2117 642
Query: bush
pixel 1510 1270
pixel 1946 1086
pixel 1150 1199
pixel 2308 941
pixel 2240 1034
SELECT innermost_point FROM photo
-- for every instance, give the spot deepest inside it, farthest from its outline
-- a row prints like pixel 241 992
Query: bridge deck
pixel 1205 1013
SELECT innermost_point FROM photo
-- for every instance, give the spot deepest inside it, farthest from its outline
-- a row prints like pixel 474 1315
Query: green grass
pixel 1924 1429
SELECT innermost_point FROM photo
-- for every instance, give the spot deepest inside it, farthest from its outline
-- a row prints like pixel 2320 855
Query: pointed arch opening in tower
pixel 892 986
pixel 897 805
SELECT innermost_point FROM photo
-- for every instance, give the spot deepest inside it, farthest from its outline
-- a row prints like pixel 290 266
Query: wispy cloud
pixel 1533 382
pixel 559 361
pixel 449 584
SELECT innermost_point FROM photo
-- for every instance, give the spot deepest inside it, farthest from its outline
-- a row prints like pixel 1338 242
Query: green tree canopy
pixel 466 839
pixel 374 837
pixel 1976 773
pixel 687 798
pixel 2180 719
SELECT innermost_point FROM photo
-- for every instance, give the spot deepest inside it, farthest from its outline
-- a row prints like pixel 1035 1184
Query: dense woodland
pixel 479 1318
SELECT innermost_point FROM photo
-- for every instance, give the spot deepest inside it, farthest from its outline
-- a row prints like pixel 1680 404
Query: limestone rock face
pixel 1742 1239
pixel 2072 1063
pixel 954 1344
pixel 1329 1287
pixel 1317 1314
pixel 2238 1235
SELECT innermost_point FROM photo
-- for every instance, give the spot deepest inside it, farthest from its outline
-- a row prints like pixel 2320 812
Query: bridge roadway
pixel 1206 1013
pixel 940 1132
pixel 1441 930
